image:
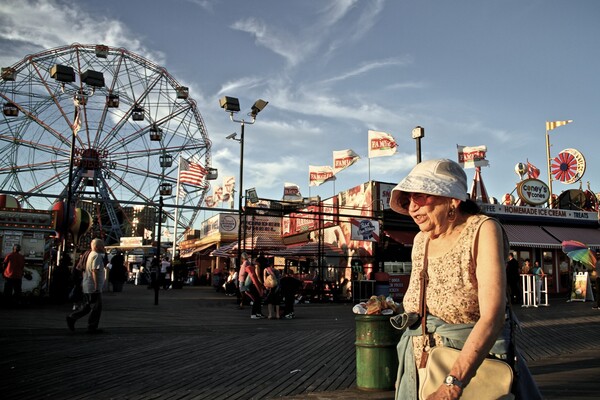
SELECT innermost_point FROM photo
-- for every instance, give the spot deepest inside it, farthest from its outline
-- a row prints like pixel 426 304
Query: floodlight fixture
pixel 257 107
pixel 229 104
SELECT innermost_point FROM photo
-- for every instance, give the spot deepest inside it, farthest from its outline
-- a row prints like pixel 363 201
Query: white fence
pixel 530 295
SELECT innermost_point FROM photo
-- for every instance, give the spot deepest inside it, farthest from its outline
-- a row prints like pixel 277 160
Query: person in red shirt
pixel 14 265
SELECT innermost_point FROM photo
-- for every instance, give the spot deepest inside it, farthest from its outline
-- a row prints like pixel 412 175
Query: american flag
pixel 182 192
pixel 191 173
pixel 532 171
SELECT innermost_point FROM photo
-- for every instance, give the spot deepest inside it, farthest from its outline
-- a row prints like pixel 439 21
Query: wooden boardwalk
pixel 196 344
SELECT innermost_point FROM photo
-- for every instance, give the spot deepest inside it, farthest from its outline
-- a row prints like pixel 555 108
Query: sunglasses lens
pixel 419 199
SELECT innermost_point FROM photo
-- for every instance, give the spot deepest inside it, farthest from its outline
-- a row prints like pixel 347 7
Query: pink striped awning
pixel 588 236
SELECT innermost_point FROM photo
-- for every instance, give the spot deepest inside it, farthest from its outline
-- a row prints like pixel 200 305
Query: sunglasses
pixel 419 199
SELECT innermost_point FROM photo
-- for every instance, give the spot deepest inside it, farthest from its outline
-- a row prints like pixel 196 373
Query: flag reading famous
pixel 381 144
pixel 342 159
pixel 318 175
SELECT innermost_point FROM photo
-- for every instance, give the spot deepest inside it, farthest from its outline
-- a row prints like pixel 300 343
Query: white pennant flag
pixel 471 157
pixel 317 175
pixel 381 144
pixel 342 159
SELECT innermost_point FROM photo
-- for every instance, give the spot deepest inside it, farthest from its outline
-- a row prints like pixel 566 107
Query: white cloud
pixel 40 25
pixel 242 83
pixel 334 11
pixel 296 47
pixel 279 42
pixel 368 67
pixel 315 103
pixel 269 175
pixel 408 85
pixel 367 19
pixel 204 4
pixel 353 30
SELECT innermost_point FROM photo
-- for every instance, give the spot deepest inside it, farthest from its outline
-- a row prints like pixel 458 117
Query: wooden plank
pixel 190 347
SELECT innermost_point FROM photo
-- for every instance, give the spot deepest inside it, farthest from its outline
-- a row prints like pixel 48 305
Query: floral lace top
pixel 452 289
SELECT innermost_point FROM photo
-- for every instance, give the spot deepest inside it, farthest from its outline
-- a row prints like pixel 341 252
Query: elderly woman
pixel 464 253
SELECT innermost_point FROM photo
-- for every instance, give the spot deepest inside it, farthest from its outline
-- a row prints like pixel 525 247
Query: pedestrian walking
pixel 93 281
pixel 14 268
pixel 118 273
pixel 165 273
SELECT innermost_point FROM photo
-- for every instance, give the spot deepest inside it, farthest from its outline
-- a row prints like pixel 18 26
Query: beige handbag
pixel 492 381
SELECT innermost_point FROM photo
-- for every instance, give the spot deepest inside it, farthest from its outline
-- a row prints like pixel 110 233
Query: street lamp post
pixel 158 245
pixel 232 105
pixel 418 133
pixel 67 213
pixel 165 189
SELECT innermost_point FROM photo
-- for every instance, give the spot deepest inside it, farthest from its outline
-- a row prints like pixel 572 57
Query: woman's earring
pixel 452 213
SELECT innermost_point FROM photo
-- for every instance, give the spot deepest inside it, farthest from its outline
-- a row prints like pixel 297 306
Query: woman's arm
pixel 491 278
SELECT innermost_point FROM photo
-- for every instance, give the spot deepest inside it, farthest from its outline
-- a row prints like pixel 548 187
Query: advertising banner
pixel 582 287
pixel 364 229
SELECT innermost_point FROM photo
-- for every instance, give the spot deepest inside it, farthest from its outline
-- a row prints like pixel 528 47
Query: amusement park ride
pixel 97 125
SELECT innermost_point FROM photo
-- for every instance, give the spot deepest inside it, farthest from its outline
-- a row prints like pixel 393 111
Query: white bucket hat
pixel 442 177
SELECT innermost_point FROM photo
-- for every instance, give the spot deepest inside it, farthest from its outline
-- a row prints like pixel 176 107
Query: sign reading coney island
pixel 533 191
pixel 568 167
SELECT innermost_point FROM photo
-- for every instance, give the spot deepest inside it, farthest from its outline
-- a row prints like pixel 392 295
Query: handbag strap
pixel 423 303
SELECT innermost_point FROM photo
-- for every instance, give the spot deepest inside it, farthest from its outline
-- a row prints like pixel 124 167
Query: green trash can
pixel 376 357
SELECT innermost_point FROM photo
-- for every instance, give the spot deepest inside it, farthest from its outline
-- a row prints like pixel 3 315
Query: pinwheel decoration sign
pixel 568 167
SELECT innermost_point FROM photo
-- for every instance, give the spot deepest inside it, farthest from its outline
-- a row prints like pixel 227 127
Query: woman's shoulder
pixel 478 219
pixel 476 222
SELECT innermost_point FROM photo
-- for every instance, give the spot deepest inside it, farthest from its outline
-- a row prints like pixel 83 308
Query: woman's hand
pixel 446 392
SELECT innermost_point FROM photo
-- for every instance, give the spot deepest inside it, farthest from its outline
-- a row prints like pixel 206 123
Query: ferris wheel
pixel 118 121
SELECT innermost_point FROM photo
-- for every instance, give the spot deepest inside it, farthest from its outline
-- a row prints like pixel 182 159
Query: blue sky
pixel 470 72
